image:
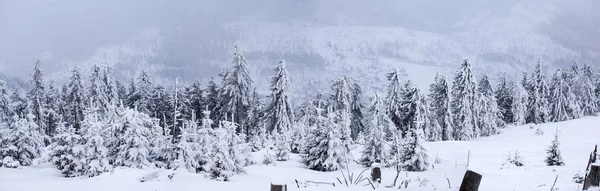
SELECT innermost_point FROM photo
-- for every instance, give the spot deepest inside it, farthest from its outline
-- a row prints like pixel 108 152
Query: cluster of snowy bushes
pixel 94 128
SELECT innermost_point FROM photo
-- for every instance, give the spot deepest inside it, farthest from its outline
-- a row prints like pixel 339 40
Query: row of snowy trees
pixel 92 129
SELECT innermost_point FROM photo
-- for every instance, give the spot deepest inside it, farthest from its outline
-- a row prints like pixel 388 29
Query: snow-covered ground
pixel 487 154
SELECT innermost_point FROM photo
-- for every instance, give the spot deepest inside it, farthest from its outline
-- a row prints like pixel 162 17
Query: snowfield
pixel 487 154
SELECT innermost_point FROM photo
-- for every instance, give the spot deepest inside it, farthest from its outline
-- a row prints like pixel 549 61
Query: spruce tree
pixel 414 155
pixel 440 106
pixel 463 102
pixel 75 101
pixel 538 97
pixel 346 96
pixel 489 117
pixel 53 112
pixel 194 147
pixel 520 99
pixel 95 158
pixel 140 93
pixel 161 107
pixel 278 114
pixel 394 98
pixel 562 100
pixel 195 98
pixel 5 110
pixel 282 147
pixel 135 144
pixel 97 90
pixel 376 148
pixel 212 99
pixel 554 157
pixel 325 148
pixel 25 141
pixel 234 94
pixel 588 101
pixel 504 97
pixel 37 96
pixel 223 164
pixel 112 88
pixel 66 151
pixel 18 105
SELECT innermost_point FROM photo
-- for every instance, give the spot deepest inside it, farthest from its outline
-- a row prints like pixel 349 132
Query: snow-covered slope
pixel 577 138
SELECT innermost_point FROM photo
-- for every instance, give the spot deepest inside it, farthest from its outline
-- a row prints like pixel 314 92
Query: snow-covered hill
pixel 577 138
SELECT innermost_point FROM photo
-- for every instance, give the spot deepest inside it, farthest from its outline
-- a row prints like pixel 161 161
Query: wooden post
pixel 471 181
pixel 592 179
pixel 376 174
pixel 276 187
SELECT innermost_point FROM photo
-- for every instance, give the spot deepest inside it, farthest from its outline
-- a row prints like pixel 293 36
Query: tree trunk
pixel 470 181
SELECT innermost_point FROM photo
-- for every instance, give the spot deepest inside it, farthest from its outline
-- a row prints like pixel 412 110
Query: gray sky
pixel 67 31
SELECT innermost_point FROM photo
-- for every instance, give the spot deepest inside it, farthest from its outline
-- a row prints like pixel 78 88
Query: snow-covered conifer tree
pixel 54 104
pixel 140 94
pixel 394 98
pixel 414 155
pixel 489 117
pixel 95 158
pixel 504 99
pixel 346 96
pixel 278 114
pixel 282 147
pixel 520 98
pixel 75 101
pixel 326 151
pixel 37 97
pixel 135 146
pixel 554 157
pixel 440 106
pixel 588 101
pixel 538 97
pixel 235 91
pixel 562 100
pixel 25 141
pixel 463 102
pixel 376 149
pixel 5 109
pixel 66 151
pixel 97 90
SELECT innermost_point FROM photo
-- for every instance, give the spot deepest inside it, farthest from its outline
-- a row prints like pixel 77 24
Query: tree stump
pixel 376 174
pixel 276 187
pixel 592 179
pixel 471 181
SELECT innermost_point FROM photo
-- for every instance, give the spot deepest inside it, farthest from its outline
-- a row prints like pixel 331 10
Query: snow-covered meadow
pixel 487 154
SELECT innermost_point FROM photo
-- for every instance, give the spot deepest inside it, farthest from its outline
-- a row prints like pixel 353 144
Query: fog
pixel 63 33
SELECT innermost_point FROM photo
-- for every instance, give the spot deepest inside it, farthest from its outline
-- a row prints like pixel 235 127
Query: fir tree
pixel 161 107
pixel 66 152
pixel 414 155
pixel 489 117
pixel 440 106
pixel 278 114
pixel 195 99
pixel 504 97
pixel 121 92
pixel 234 95
pixel 394 99
pixel 463 102
pixel 74 101
pixel 554 157
pixel 112 88
pixel 25 141
pixel 588 101
pixel 376 146
pixel 194 147
pixel 562 100
pixel 346 96
pixel 37 96
pixel 97 90
pixel 18 105
pixel 538 97
pixel 135 146
pixel 282 147
pixel 519 104
pixel 325 148
pixel 5 110
pixel 53 111
pixel 212 99
pixel 95 159
pixel 140 93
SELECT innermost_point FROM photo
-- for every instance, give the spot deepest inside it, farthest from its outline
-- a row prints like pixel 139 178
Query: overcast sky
pixel 60 30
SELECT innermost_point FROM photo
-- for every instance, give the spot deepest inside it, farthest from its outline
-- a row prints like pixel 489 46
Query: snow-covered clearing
pixel 577 139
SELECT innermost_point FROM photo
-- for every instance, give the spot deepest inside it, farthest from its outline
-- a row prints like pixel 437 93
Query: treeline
pixel 90 129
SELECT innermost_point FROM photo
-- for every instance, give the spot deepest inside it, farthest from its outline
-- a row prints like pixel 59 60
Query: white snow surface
pixel 577 138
